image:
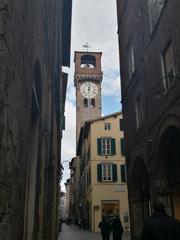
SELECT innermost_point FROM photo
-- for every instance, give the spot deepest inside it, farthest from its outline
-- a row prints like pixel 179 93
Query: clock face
pixel 89 89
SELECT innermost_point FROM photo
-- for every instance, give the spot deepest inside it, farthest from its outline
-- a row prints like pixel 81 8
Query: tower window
pixel 85 103
pixel 107 126
pixel 88 61
pixel 168 67
pixel 93 102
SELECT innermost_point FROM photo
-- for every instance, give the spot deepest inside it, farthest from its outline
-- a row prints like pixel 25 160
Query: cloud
pixel 95 22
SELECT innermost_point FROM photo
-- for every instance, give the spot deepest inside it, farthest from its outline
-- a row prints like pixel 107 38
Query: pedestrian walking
pixel 160 226
pixel 80 223
pixel 117 229
pixel 60 225
pixel 105 227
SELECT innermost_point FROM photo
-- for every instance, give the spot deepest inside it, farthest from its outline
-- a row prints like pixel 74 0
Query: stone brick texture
pixel 134 27
pixel 28 34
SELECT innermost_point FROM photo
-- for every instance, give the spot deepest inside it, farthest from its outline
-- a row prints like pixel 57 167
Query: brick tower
pixel 87 80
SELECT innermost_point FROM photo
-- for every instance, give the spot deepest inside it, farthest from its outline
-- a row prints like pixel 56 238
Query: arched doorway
pixel 139 196
pixel 168 170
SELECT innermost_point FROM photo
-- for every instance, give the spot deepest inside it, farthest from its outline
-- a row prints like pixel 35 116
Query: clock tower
pixel 87 80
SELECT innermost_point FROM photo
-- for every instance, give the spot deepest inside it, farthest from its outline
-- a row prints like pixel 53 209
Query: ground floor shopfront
pixel 109 200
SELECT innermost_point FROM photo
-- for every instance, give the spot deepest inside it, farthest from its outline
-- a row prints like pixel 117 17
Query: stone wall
pixel 28 39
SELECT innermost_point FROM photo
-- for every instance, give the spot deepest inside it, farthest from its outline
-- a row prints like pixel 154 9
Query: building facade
pixel 149 44
pixel 103 187
pixel 34 44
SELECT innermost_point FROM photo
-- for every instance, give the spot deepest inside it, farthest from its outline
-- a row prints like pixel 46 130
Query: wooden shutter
pixel 121 124
pixel 99 150
pixel 99 172
pixel 114 172
pixel 122 146
pixel 113 146
pixel 123 173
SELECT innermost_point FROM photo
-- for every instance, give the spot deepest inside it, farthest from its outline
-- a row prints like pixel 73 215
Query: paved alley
pixel 72 232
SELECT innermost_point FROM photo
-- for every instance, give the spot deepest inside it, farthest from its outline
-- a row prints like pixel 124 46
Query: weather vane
pixel 86 46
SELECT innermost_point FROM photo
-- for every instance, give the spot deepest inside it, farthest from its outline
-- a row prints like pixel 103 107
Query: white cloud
pixel 111 86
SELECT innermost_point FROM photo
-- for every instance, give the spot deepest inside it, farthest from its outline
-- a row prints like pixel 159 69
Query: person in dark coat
pixel 117 229
pixel 105 227
pixel 160 226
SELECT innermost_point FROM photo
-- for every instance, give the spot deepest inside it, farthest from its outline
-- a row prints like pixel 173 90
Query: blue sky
pixel 95 22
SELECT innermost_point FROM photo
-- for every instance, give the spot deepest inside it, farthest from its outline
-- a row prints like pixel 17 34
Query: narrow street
pixel 72 232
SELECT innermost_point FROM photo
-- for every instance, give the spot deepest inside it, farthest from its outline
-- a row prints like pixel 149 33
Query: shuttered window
pixel 106 172
pixel 99 173
pixel 106 146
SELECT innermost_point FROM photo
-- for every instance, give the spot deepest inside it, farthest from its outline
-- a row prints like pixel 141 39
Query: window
pixel 106 146
pixel 155 7
pixel 93 102
pixel 131 62
pixel 168 68
pixel 107 126
pixel 88 61
pixel 107 172
pixel 123 173
pixel 85 103
pixel 139 111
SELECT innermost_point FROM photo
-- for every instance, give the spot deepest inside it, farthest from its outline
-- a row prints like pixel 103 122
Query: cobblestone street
pixel 72 232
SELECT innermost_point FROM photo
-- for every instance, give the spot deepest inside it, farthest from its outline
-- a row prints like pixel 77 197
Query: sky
pixel 93 22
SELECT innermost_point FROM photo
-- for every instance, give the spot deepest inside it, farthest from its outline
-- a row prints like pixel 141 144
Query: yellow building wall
pixel 105 193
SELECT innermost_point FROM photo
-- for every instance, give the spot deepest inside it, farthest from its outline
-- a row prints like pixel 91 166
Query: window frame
pixel 104 146
pixel 107 126
pixel 107 172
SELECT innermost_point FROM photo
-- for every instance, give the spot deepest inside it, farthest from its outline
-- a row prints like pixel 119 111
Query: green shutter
pixel 122 146
pixel 99 172
pixel 114 172
pixel 113 146
pixel 121 124
pixel 99 146
pixel 123 173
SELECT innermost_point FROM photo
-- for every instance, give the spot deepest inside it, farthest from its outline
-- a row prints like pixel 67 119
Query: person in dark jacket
pixel 105 227
pixel 160 226
pixel 117 229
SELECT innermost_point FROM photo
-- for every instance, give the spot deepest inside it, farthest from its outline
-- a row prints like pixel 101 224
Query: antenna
pixel 86 46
